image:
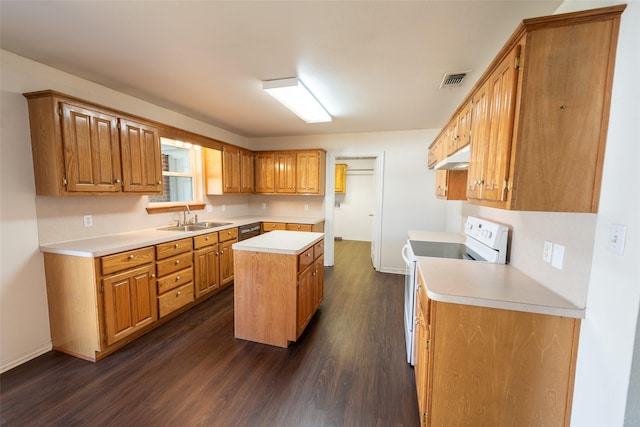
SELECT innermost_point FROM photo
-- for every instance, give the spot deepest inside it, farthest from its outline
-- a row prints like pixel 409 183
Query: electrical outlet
pixel 209 208
pixel 224 208
pixel 264 206
pixel 557 257
pixel 617 237
pixel 88 220
pixel 306 207
pixel 547 250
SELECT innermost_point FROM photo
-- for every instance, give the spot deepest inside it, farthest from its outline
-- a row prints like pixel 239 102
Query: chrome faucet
pixel 185 212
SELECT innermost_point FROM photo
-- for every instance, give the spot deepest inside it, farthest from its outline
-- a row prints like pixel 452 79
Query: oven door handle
pixel 405 256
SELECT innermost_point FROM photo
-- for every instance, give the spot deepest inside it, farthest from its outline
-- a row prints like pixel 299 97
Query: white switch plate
pixel 617 237
pixel 209 208
pixel 224 208
pixel 88 220
pixel 557 256
pixel 547 250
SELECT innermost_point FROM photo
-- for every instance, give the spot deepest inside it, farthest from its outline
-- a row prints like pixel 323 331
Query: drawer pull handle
pixel 131 256
pixel 177 261
pixel 206 238
pixel 177 278
pixel 309 254
pixel 153 275
pixel 178 293
pixel 176 245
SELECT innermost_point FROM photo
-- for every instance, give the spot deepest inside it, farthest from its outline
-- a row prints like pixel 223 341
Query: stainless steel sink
pixel 194 227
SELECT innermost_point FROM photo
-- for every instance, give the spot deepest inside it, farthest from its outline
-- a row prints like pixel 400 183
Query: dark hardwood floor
pixel 347 369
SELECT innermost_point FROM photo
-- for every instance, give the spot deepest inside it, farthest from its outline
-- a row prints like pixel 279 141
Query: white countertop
pixel 491 285
pixel 111 244
pixel 280 241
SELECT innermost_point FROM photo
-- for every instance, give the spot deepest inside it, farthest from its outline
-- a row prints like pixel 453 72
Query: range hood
pixel 457 161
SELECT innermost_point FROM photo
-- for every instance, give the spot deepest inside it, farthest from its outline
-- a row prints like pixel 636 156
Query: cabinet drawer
pixel 173 300
pixel 229 234
pixel 299 227
pixel 126 260
pixel 270 226
pixel 174 264
pixel 318 249
pixel 305 259
pixel 174 247
pixel 171 281
pixel 205 240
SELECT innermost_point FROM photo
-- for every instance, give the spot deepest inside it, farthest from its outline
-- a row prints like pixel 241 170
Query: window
pixel 180 174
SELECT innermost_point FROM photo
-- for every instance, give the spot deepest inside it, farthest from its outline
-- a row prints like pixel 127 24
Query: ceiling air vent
pixel 453 79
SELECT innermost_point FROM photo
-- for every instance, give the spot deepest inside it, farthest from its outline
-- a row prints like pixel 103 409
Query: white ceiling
pixel 375 65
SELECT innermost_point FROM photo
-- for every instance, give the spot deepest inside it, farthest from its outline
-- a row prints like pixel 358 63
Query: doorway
pixel 355 214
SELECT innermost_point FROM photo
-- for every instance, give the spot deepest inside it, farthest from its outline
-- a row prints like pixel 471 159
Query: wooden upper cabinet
pixel 231 169
pixel 341 178
pixel 310 167
pixel 91 149
pixel 77 148
pixel 539 115
pixel 247 179
pixel 141 157
pixel 265 171
pixel 285 172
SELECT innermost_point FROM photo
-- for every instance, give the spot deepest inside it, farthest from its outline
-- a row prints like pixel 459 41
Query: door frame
pixel 330 200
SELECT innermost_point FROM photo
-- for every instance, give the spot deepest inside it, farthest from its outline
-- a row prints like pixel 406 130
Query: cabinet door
pixel 318 282
pixel 463 126
pixel 441 183
pixel 206 264
pixel 304 300
pixel 503 83
pixel 265 170
pixel 231 170
pixel 341 178
pixel 246 172
pixel 421 368
pixel 141 158
pixel 308 172
pixel 285 172
pixel 479 142
pixel 226 262
pixel 129 302
pixel 91 150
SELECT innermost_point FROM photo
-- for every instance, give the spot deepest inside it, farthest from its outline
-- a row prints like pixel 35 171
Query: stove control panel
pixel 489 233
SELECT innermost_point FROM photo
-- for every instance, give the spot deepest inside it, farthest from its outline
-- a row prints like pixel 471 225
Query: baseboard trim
pixel 25 357
pixel 392 270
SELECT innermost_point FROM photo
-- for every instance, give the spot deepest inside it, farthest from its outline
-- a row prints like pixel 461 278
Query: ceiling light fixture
pixel 297 98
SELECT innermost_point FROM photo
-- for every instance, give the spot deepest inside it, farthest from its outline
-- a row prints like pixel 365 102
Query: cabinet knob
pixel 206 238
pixel 131 257
pixel 178 293
pixel 309 254
pixel 118 181
pixel 153 275
pixel 177 261
pixel 176 245
pixel 177 278
pixel 159 182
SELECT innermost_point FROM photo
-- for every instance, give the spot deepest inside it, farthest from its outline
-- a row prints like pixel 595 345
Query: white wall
pixel 408 186
pixel 27 220
pixel 353 211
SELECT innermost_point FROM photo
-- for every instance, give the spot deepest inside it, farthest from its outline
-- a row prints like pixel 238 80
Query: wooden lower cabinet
pixel 206 264
pixel 478 366
pixel 290 226
pixel 227 239
pixel 175 275
pixel 277 294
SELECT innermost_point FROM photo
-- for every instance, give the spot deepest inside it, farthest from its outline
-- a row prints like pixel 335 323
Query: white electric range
pixel 483 241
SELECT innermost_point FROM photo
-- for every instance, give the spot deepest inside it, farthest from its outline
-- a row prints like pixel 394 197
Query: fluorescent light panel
pixel 297 98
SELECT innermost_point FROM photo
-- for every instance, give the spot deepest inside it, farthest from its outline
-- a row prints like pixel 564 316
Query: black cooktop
pixel 438 249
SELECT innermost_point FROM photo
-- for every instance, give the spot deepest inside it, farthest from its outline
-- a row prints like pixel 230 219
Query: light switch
pixel 557 257
pixel 617 237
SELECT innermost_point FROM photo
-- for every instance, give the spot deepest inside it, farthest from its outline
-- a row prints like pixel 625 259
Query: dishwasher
pixel 248 231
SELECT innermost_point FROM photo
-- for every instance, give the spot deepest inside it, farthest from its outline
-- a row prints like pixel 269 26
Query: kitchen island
pixel 279 284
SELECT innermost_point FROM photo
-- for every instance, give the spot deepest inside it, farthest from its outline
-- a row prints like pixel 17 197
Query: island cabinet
pixel 279 285
pixel 291 172
pixel 83 148
pixel 479 366
pixel 539 114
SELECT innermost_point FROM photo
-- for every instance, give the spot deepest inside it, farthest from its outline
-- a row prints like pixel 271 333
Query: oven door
pixel 409 300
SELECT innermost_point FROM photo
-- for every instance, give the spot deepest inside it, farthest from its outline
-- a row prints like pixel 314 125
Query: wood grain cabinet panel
pixel 341 178
pixel 265 170
pixel 539 115
pixel 292 172
pixel 83 148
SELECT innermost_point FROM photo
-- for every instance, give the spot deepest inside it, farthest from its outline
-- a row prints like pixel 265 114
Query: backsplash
pixel 529 230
